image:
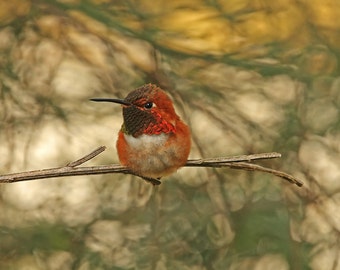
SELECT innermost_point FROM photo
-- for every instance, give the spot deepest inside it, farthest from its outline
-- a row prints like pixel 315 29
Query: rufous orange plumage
pixel 153 141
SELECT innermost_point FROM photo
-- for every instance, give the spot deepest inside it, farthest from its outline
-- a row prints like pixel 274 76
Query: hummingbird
pixel 153 141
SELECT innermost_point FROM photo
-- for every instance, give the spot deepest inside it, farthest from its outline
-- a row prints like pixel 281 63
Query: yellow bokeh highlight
pixel 10 10
pixel 228 27
pixel 196 31
pixel 323 13
pixel 262 27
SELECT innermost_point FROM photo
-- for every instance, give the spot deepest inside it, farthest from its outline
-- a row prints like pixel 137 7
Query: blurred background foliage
pixel 248 76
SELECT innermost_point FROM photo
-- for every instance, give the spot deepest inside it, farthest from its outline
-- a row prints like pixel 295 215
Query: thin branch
pixel 82 160
pixel 222 161
pixel 255 167
pixel 71 169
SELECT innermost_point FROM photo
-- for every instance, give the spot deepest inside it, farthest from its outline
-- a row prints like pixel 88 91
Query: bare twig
pixel 71 169
pixel 255 167
pixel 82 160
pixel 221 161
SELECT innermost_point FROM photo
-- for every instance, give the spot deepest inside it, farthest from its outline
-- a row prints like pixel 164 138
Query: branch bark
pixel 71 169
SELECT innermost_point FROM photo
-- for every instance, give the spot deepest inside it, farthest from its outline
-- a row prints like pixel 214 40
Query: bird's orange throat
pixel 138 122
pixel 159 127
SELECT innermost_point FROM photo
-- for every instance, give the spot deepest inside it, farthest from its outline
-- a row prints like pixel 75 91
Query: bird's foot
pixel 151 180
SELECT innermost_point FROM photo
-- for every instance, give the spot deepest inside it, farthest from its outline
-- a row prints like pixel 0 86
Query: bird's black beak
pixel 114 100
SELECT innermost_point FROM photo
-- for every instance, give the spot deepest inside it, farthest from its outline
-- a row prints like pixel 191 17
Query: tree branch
pixel 72 169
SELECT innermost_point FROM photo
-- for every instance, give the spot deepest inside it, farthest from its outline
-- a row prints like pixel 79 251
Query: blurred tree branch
pixel 72 169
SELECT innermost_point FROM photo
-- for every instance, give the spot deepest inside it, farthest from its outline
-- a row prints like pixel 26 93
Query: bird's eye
pixel 148 105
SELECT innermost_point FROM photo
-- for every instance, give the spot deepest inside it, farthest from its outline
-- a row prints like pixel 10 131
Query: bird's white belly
pixel 145 142
pixel 151 155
